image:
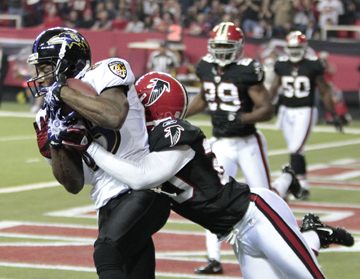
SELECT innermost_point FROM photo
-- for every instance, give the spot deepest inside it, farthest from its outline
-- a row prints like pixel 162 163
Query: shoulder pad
pixel 252 69
pixel 245 61
pixel 208 58
pixel 283 58
pixel 173 132
pixel 311 57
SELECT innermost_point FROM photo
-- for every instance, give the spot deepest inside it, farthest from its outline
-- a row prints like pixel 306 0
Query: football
pixel 80 86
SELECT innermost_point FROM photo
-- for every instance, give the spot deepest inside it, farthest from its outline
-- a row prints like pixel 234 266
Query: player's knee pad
pixel 298 163
pixel 107 257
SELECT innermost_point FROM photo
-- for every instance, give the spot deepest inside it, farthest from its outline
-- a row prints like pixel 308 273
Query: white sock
pixel 312 240
pixel 282 183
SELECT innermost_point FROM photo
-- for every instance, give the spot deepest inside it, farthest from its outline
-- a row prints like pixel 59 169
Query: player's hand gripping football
pixel 76 137
pixel 53 98
pixel 56 124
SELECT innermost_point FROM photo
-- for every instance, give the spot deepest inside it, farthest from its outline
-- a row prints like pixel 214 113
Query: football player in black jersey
pixel 299 73
pixel 233 91
pixel 258 223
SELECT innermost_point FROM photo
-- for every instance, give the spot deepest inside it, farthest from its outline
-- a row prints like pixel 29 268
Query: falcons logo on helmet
pixel 174 132
pixel 158 88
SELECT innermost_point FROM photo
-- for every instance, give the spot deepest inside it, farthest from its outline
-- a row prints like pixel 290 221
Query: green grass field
pixel 29 194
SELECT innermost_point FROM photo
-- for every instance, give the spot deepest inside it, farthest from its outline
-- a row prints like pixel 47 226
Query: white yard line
pixel 29 187
pixel 91 269
pixel 18 138
pixel 17 114
pixel 48 266
pixel 311 147
pixel 263 126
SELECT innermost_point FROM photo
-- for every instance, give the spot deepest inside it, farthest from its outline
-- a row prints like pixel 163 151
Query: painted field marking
pixel 184 275
pixel 309 147
pixel 47 266
pixel 263 126
pixel 345 176
pixel 74 212
pixel 29 187
pixel 89 269
pixel 17 114
pixel 328 129
pixel 181 256
pixel 328 215
pixel 17 138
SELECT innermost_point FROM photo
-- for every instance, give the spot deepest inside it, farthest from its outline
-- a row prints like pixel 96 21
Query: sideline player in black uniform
pixel 299 73
pixel 258 223
pixel 232 89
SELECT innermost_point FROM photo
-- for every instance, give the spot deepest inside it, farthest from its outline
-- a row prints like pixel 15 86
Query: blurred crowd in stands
pixel 257 18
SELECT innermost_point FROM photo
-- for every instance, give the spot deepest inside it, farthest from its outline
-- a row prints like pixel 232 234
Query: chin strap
pixel 83 71
pixel 159 190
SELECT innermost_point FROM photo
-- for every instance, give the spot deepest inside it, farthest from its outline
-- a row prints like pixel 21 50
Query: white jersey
pixel 329 9
pixel 130 142
pixel 159 62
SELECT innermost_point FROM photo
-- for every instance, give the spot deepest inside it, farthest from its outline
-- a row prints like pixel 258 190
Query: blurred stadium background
pixel 47 233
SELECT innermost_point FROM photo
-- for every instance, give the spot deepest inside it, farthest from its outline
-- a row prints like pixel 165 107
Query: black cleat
pixel 295 187
pixel 213 267
pixel 327 234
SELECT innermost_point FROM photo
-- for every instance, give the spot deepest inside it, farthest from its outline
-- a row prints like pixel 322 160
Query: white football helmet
pixel 296 45
pixel 226 43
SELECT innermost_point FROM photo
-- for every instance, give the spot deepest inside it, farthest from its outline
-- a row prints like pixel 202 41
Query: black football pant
pixel 124 248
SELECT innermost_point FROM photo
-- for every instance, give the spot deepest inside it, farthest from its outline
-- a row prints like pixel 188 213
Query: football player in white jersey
pixel 298 73
pixel 127 219
pixel 258 223
pixel 233 90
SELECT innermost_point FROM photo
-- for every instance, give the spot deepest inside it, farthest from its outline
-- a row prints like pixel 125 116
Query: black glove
pixel 76 138
pixel 226 119
pixel 337 122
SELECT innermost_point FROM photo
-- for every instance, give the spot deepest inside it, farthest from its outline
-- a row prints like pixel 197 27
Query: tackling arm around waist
pixel 150 171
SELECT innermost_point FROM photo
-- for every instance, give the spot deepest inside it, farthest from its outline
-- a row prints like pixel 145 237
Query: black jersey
pixel 298 80
pixel 227 93
pixel 202 196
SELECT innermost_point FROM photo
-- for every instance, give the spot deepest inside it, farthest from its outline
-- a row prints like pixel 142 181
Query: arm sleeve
pixel 152 170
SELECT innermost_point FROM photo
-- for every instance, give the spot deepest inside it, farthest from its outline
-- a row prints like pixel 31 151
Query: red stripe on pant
pixel 288 235
pixel 264 160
